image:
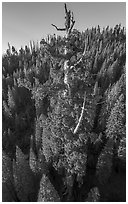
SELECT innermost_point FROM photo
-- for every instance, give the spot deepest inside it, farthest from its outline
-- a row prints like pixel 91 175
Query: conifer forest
pixel 64 117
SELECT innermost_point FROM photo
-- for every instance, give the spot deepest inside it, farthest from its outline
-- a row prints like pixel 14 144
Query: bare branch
pixel 65 6
pixel 69 21
pixel 81 116
pixel 73 22
pixel 72 16
pixel 59 29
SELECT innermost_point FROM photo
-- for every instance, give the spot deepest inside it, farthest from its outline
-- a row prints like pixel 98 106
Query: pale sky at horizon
pixel 25 21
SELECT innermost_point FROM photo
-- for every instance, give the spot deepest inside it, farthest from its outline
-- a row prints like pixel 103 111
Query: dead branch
pixel 81 116
pixel 65 6
pixel 69 21
pixel 59 29
pixel 72 23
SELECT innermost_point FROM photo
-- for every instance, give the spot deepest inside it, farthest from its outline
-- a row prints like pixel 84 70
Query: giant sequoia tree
pixel 64 117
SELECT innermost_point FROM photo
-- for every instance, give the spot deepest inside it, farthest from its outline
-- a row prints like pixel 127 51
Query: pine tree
pixel 105 161
pixel 47 192
pixel 93 195
pixel 8 191
pixel 11 101
pixel 23 178
pixel 37 161
pixel 122 149
pixel 116 121
pixel 110 97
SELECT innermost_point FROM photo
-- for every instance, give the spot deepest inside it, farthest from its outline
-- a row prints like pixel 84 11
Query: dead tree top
pixel 69 21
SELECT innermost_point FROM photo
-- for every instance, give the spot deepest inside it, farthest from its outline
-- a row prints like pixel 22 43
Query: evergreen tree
pixel 93 195
pixel 8 191
pixel 23 178
pixel 104 164
pixel 47 193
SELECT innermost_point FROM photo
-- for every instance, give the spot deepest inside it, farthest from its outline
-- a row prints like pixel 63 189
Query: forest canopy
pixel 64 117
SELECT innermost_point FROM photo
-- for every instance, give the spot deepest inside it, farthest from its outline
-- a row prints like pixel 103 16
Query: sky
pixel 25 21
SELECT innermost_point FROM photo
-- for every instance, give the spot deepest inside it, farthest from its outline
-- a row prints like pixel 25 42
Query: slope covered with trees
pixel 64 119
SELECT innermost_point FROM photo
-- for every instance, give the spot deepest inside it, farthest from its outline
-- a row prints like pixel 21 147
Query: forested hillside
pixel 64 136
